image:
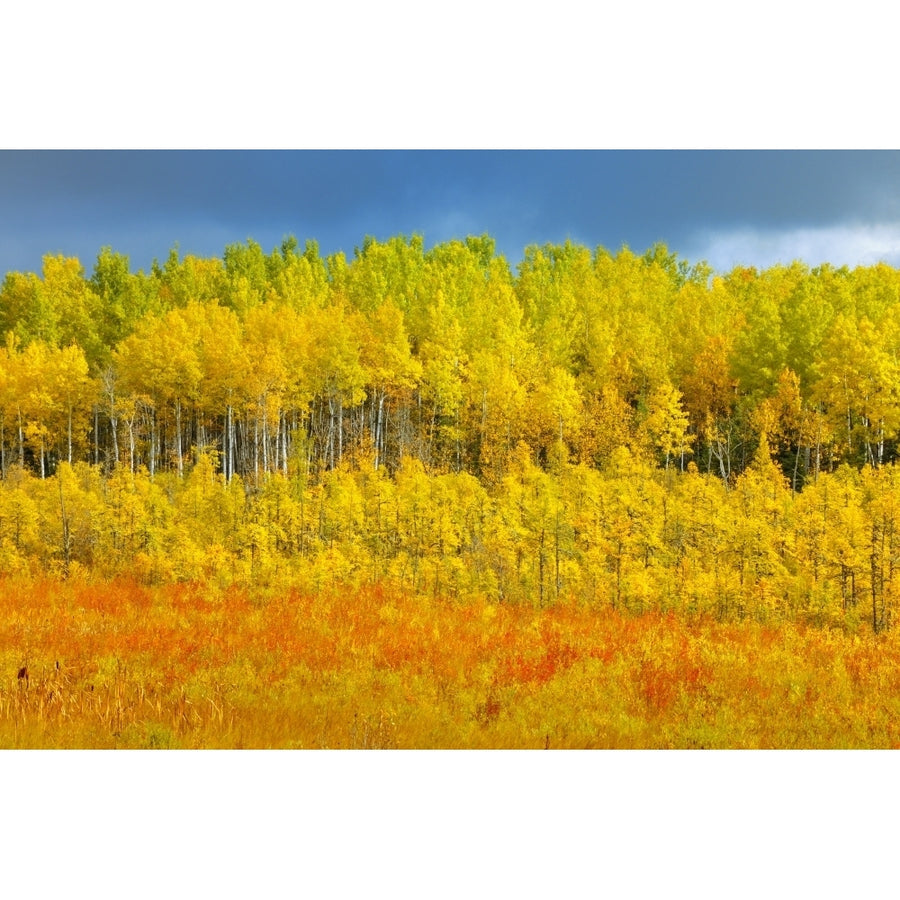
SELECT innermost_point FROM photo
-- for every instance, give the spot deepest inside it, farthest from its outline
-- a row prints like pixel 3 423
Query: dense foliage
pixel 632 537
pixel 447 357
pixel 266 487
pixel 627 431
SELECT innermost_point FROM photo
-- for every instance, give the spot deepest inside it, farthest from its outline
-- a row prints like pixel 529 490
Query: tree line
pixel 446 356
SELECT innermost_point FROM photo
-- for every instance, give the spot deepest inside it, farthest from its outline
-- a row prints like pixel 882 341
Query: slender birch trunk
pixel 178 455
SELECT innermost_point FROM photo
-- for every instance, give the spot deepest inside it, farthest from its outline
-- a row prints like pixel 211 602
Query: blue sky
pixel 727 207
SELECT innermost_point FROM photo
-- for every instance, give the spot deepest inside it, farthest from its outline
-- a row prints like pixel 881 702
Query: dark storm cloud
pixel 730 203
pixel 641 197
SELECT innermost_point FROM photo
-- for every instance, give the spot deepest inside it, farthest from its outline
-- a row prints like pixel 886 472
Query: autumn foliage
pixel 446 356
pixel 121 665
pixel 416 500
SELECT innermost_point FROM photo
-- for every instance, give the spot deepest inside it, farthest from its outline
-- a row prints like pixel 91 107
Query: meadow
pixel 122 665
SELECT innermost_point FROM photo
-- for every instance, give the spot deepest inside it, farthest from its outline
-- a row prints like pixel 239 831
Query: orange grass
pixel 117 664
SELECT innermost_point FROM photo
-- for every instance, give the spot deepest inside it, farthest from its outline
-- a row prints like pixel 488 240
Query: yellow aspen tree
pixel 225 373
pixel 859 386
pixel 73 301
pixel 392 372
pixel 160 363
pixel 37 405
pixel 607 423
pixel 554 414
pixel 302 280
pixel 337 378
pixel 75 394
pixel 445 367
pixel 666 424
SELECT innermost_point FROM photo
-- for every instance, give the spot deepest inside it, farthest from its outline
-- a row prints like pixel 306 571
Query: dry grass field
pixel 120 665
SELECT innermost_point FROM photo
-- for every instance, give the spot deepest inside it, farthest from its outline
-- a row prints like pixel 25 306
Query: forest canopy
pixel 448 357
